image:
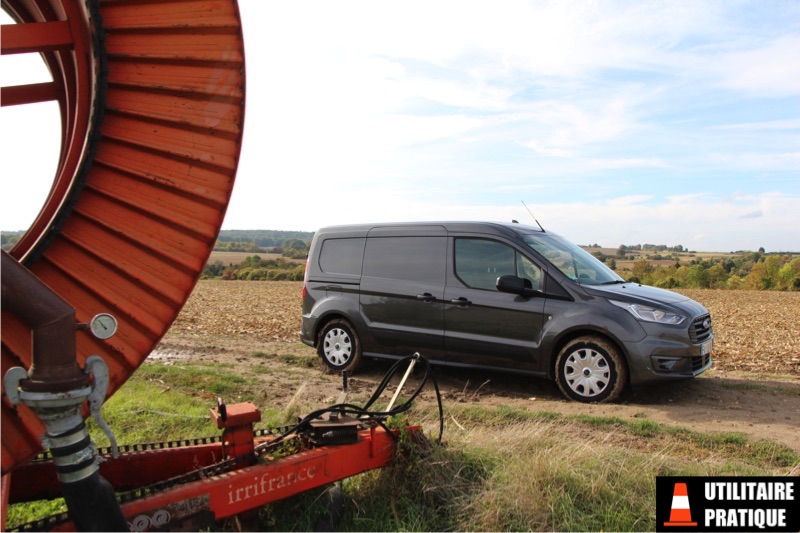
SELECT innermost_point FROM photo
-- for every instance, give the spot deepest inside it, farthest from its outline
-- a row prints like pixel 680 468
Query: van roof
pixel 431 227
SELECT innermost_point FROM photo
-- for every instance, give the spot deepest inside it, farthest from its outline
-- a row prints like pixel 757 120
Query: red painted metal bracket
pixel 233 493
pixel 36 37
pixel 215 497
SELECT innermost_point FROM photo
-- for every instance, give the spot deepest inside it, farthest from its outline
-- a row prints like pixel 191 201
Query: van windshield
pixel 575 262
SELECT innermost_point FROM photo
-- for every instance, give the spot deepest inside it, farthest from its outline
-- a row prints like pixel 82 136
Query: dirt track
pixel 754 389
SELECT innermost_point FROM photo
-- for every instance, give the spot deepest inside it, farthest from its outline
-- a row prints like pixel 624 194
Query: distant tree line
pixel 748 270
pixel 253 268
pixel 752 270
pixel 623 248
pixel 263 238
pixel 292 244
pixel 238 246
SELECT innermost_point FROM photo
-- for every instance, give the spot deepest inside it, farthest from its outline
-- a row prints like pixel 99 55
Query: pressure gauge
pixel 103 326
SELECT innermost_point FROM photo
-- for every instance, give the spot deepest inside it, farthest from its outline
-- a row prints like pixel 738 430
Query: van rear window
pixel 342 256
pixel 419 259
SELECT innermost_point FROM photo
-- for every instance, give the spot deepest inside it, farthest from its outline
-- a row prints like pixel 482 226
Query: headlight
pixel 651 314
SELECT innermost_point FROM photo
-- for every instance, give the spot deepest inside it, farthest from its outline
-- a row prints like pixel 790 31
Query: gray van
pixel 495 296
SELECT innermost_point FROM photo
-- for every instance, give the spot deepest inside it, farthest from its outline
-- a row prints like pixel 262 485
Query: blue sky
pixel 615 122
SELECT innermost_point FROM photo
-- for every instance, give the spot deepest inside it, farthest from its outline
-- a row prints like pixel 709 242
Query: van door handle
pixel 463 302
pixel 426 297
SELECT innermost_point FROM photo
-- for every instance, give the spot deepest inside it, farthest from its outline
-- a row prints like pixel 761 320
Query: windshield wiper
pixel 614 282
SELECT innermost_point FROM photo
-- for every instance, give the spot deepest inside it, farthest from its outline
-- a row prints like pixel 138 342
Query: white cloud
pixel 758 161
pixel 698 222
pixel 362 110
pixel 772 69
pixel 788 124
pixel 631 162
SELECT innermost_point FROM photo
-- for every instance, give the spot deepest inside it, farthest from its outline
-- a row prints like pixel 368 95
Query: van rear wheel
pixel 591 369
pixel 339 346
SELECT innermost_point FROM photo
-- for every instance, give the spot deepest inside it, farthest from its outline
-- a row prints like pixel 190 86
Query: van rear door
pixel 402 286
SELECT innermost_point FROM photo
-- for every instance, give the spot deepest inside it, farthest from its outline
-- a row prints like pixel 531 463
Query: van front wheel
pixel 339 346
pixel 591 369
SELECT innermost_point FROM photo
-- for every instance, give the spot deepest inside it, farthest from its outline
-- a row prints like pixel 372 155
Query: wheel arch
pixel 571 335
pixel 326 319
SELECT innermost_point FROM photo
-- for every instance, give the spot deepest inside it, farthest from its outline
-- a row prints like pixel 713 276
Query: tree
pixel 757 279
pixel 773 265
pixel 295 244
pixel 697 277
pixel 789 275
pixel 213 270
pixel 717 277
pixel 643 270
pixel 735 282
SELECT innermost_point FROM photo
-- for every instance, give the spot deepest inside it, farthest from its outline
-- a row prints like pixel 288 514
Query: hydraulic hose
pixel 56 389
pixel 376 416
pixel 90 498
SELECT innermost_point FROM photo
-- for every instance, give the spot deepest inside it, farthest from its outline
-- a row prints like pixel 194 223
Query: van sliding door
pixel 402 286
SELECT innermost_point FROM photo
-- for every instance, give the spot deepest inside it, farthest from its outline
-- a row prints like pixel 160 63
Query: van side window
pixel 342 256
pixel 420 259
pixel 479 262
pixel 529 272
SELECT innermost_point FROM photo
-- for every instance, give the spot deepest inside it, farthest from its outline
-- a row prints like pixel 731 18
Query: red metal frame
pixel 252 487
pixel 152 114
pixel 236 421
pixel 216 497
pixel 152 119
pixel 60 32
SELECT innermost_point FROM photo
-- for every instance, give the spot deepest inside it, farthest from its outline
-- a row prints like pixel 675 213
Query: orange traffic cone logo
pixel 680 514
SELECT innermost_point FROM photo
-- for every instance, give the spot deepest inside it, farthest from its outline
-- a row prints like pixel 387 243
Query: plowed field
pixel 757 331
pixel 252 328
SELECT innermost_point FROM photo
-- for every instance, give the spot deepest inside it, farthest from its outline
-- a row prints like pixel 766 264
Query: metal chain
pixel 163 445
pixel 49 522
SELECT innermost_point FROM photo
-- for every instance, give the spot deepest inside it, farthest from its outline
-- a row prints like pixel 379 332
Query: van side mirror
pixel 514 285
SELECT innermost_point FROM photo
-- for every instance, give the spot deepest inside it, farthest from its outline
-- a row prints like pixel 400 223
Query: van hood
pixel 653 296
pixel 635 291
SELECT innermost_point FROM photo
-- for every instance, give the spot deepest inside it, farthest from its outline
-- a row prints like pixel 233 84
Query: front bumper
pixel 667 354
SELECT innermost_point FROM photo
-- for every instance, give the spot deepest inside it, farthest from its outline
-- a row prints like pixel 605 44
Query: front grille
pixel 700 361
pixel 700 330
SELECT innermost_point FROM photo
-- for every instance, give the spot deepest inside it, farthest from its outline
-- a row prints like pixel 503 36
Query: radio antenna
pixel 533 217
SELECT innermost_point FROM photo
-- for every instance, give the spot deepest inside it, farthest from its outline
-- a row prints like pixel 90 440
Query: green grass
pixel 501 469
pixel 508 469
pixel 162 402
pixel 19 514
pixel 199 380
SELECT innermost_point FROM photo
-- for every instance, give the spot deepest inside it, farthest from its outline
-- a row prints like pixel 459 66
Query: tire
pixel 339 346
pixel 591 369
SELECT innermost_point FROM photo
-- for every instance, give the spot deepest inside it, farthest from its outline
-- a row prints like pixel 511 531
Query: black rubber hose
pixel 333 499
pixel 91 501
pixel 376 416
pixel 93 505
